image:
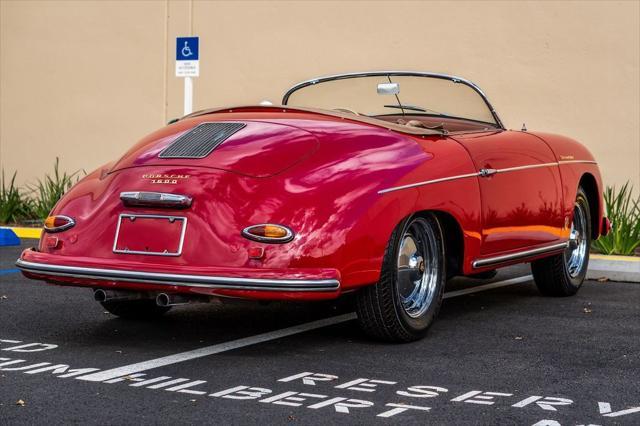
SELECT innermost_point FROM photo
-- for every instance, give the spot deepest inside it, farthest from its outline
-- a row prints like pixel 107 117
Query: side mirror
pixel 388 89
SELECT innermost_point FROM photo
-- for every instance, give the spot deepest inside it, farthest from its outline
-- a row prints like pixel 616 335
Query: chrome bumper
pixel 228 283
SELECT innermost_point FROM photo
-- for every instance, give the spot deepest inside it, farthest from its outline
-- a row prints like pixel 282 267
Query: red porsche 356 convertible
pixel 381 183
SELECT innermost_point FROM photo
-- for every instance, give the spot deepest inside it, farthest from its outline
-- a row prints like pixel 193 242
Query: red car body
pixel 340 182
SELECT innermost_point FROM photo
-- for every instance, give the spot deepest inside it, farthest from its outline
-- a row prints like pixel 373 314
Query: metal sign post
pixel 187 66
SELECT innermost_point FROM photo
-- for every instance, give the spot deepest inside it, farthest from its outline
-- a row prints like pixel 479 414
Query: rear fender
pixel 458 197
pixel 577 167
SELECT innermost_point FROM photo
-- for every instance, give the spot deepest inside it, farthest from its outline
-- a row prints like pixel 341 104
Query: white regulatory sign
pixel 187 68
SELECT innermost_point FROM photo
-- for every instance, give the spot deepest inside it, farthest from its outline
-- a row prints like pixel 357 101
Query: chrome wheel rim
pixel 417 272
pixel 576 252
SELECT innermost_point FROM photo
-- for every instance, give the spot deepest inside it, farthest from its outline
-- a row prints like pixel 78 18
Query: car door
pixel 520 188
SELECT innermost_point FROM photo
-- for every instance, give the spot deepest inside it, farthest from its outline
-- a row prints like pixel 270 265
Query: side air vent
pixel 199 142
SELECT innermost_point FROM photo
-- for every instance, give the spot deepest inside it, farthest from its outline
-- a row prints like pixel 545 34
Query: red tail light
pixel 58 223
pixel 268 233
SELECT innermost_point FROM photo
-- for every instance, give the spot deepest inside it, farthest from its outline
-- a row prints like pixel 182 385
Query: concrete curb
pixel 23 232
pixel 615 268
pixel 8 237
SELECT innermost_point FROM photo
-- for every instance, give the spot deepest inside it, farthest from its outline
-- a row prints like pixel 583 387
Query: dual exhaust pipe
pixel 162 299
pixel 167 299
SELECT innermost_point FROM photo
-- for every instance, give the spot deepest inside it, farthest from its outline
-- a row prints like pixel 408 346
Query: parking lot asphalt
pixel 500 355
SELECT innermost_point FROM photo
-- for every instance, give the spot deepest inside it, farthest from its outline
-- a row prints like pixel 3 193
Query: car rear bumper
pixel 241 282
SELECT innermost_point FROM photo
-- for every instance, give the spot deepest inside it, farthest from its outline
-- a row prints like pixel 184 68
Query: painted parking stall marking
pixel 261 338
pixel 133 372
pixel 20 346
pixel 339 395
pixel 328 392
pixel 215 349
pixel 512 281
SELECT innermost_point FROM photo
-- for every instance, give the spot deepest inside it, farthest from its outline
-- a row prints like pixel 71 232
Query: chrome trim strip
pixel 529 166
pixel 478 263
pixel 484 173
pixel 453 78
pixel 150 216
pixel 427 182
pixel 577 161
pixel 203 281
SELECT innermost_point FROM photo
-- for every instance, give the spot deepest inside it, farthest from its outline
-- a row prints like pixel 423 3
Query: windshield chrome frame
pixel 452 78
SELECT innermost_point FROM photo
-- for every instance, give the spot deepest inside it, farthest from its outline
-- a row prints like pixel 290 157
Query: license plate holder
pixel 154 235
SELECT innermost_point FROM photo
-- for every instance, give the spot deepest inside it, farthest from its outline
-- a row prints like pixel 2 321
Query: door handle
pixel 487 172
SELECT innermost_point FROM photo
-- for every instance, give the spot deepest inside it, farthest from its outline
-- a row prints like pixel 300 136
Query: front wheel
pixel 563 274
pixel 407 298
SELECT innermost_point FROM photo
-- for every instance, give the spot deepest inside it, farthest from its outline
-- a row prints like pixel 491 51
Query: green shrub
pixel 624 212
pixel 33 205
pixel 14 204
pixel 46 192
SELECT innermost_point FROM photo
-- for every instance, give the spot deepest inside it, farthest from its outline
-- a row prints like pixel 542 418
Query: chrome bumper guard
pixel 227 283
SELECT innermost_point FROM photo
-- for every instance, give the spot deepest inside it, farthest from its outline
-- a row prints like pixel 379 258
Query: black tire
pixel 135 309
pixel 556 275
pixel 380 309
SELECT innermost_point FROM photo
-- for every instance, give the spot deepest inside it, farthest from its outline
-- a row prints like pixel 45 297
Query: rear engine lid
pixel 201 140
pixel 252 148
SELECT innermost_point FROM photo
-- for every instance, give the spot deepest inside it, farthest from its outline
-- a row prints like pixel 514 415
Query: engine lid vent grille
pixel 199 142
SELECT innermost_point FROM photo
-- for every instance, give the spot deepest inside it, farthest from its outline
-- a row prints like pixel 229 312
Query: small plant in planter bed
pixel 29 207
pixel 624 212
pixel 14 204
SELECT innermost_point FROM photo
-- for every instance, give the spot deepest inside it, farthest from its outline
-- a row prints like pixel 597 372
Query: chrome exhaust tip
pixel 165 299
pixel 100 295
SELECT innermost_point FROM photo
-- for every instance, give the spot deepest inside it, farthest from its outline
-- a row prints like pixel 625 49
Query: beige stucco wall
pixel 84 80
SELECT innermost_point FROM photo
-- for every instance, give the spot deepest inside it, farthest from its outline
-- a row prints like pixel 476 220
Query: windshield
pixel 385 95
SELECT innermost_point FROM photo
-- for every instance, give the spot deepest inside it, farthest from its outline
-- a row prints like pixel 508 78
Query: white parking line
pixel 498 284
pixel 215 349
pixel 261 338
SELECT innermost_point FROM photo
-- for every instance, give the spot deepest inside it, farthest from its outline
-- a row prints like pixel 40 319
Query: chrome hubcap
pixel 417 268
pixel 576 252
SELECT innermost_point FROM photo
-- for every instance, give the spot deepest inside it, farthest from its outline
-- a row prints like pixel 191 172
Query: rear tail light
pixel 268 233
pixel 58 223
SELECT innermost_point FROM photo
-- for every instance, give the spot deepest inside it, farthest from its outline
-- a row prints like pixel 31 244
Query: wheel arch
pixel 590 186
pixel 453 240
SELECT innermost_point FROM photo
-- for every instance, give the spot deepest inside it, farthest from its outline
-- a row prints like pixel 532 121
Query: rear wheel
pixel 135 309
pixel 563 274
pixel 407 298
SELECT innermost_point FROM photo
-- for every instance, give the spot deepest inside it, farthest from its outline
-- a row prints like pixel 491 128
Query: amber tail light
pixel 58 223
pixel 268 233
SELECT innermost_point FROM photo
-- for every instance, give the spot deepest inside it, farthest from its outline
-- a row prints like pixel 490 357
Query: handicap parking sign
pixel 187 49
pixel 187 63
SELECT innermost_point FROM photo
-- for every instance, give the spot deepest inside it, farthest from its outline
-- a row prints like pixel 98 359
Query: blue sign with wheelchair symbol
pixel 187 49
